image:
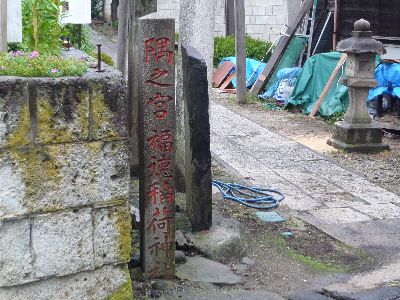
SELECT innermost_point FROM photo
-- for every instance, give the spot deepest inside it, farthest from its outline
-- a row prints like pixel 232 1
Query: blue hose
pixel 253 197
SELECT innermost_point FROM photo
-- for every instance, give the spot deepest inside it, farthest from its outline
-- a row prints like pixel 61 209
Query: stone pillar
pixel 196 29
pixel 156 145
pixel 357 132
pixel 65 228
pixel 197 128
pixel 137 9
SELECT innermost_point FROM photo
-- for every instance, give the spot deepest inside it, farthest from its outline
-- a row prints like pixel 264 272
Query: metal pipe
pixel 99 58
pixel 322 32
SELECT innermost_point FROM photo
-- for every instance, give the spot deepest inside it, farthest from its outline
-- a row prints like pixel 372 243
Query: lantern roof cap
pixel 361 41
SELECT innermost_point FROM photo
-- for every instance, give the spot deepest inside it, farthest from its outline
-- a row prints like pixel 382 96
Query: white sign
pixel 14 21
pixel 77 12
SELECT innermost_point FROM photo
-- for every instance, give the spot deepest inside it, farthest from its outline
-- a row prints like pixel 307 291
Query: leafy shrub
pixel 97 8
pixel 72 30
pixel 35 64
pixel 104 58
pixel 225 47
pixel 41 25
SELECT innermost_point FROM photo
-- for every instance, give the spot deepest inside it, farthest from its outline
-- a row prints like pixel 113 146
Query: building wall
pixel 264 18
pixel 169 9
pixel 107 10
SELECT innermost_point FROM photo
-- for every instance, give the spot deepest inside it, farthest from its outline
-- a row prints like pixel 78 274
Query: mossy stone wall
pixel 64 173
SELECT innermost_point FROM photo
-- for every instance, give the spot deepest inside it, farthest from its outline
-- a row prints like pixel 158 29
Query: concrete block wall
pixel 169 9
pixel 64 173
pixel 264 18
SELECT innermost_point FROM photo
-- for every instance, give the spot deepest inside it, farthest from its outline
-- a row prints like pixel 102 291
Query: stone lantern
pixel 357 132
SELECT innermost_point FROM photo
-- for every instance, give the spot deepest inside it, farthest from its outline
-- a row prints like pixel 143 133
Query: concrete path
pixel 336 200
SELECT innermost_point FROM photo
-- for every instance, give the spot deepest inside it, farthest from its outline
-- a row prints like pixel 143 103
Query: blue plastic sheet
pixel 287 73
pixel 388 77
pixel 251 65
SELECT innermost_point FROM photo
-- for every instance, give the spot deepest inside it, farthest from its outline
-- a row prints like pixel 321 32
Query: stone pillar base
pixel 364 138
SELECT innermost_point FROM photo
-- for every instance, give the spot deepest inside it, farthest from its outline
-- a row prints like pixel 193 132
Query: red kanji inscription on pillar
pixel 157 137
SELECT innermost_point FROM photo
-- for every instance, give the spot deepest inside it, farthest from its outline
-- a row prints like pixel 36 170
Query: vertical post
pixel 79 36
pixel 3 25
pixel 230 17
pixel 123 17
pixel 197 138
pixel 240 37
pixel 99 58
pixel 157 145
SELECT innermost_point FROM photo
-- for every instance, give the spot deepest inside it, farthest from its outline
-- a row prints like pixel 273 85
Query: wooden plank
pixel 227 81
pixel 240 38
pixel 221 73
pixel 276 56
pixel 328 85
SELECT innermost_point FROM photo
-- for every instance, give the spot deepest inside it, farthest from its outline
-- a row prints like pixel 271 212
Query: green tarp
pixel 316 73
pixel 289 58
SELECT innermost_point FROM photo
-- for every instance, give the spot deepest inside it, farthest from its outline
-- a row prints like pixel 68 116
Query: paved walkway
pixel 336 200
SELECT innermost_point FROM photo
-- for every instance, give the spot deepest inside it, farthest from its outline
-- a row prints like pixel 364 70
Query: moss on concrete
pixel 83 111
pixel 20 137
pixel 52 129
pixel 124 228
pixel 102 117
pixel 39 169
pixel 48 131
pixel 124 292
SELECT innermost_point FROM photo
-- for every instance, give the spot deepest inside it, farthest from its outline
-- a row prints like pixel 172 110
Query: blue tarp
pixel 287 73
pixel 388 77
pixel 251 65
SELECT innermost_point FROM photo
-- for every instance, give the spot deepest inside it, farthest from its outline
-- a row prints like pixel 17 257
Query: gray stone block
pixel 103 283
pixel 14 109
pixel 63 243
pixel 197 131
pixel 61 110
pixel 12 189
pixel 357 138
pixel 108 108
pixel 51 178
pixel 200 269
pixel 15 253
pixel 112 235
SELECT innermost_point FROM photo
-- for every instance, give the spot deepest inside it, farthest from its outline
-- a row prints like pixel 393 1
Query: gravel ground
pixel 382 168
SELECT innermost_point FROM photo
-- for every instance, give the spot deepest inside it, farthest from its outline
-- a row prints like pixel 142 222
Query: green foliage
pixel 225 47
pixel 311 262
pixel 38 65
pixel 41 25
pixel 72 30
pixel 97 8
pixel 104 58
